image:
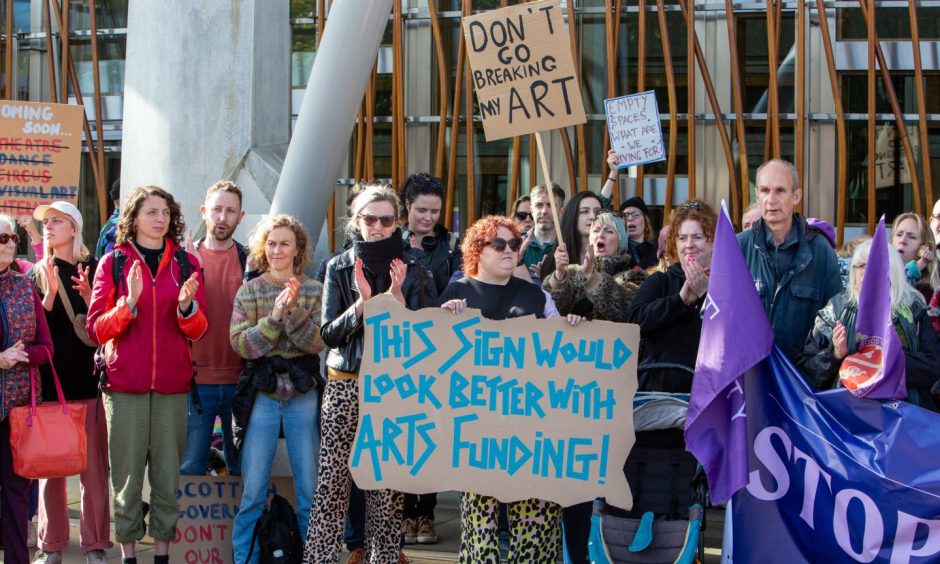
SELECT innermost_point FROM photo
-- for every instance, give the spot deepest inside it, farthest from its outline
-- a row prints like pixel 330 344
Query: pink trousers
pixel 95 521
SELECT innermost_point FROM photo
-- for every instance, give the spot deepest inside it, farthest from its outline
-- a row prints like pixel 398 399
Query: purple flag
pixel 735 336
pixel 876 370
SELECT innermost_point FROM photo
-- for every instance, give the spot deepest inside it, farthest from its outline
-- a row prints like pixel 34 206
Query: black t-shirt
pixel 152 257
pixel 73 359
pixel 516 299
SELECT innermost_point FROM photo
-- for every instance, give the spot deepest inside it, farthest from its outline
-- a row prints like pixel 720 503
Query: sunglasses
pixel 369 219
pixel 523 216
pixel 691 206
pixel 426 180
pixel 499 244
pixel 4 238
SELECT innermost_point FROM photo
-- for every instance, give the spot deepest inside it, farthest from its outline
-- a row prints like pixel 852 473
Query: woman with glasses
pixel 491 251
pixel 522 214
pixel 833 334
pixel 375 264
pixel 65 274
pixel 666 307
pixel 640 229
pixel 26 345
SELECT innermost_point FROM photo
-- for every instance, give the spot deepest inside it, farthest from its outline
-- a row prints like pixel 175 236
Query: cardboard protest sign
pixel 208 505
pixel 635 130
pixel 890 161
pixel 40 150
pixel 523 72
pixel 513 409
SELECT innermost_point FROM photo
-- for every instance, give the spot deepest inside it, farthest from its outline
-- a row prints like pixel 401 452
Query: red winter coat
pixel 147 349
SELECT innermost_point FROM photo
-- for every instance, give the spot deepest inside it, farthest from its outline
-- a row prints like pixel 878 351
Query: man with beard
pixel 217 366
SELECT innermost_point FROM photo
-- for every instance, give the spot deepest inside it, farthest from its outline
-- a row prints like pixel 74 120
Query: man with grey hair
pixel 795 270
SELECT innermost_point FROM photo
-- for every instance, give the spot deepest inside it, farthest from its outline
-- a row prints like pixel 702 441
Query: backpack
pixel 277 534
pixel 118 259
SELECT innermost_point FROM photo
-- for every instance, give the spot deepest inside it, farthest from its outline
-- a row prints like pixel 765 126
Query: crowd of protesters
pixel 189 332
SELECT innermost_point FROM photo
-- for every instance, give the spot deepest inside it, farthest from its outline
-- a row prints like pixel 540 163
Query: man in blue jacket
pixel 794 268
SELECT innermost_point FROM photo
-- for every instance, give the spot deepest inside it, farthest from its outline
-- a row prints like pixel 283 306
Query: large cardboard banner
pixel 513 409
pixel 523 72
pixel 208 505
pixel 40 148
pixel 635 130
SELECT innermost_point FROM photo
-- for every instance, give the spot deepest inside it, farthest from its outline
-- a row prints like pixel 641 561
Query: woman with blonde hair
pixel 276 328
pixel 63 280
pixel 913 238
pixel 375 264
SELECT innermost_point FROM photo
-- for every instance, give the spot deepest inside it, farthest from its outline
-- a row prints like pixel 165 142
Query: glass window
pixel 755 71
pixel 890 23
pixel 111 55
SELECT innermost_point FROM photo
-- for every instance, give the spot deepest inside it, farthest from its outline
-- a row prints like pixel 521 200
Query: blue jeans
pixel 216 400
pixel 302 432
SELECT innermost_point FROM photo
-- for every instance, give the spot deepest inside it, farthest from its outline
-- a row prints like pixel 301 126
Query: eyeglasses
pixel 425 180
pixel 499 244
pixel 635 214
pixel 692 206
pixel 523 216
pixel 369 219
pixel 4 238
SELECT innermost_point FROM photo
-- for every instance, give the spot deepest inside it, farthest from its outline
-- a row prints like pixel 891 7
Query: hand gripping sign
pixel 515 409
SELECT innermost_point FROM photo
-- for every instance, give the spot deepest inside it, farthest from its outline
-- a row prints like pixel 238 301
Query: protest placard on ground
pixel 208 505
pixel 522 69
pixel 40 150
pixel 634 128
pixel 514 409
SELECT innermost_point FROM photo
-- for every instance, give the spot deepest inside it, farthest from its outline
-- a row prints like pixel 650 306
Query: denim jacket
pixel 792 300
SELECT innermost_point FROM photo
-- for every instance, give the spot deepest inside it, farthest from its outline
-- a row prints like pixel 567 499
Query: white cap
pixel 60 206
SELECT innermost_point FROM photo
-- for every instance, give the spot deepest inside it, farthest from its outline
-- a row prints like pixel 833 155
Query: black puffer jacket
pixel 437 255
pixel 670 331
pixel 340 327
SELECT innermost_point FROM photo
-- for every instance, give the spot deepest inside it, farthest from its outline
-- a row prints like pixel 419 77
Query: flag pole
pixel 548 186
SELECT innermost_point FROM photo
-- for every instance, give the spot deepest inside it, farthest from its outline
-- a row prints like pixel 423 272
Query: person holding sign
pixel 144 310
pixel 491 251
pixel 276 328
pixel 64 275
pixel 667 305
pixel 375 264
pixel 833 337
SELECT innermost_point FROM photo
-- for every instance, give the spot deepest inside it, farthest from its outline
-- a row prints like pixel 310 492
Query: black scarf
pixel 377 257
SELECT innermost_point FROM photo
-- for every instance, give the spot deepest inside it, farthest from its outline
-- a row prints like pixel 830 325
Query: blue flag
pixel 735 336
pixel 876 370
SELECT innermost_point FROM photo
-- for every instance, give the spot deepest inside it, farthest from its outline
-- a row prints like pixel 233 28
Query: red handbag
pixel 48 441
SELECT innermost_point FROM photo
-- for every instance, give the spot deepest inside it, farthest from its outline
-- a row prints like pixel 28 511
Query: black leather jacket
pixel 340 328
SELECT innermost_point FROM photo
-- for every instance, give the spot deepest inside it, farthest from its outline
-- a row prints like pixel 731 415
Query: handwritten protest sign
pixel 40 148
pixel 208 505
pixel 523 72
pixel 890 161
pixel 512 409
pixel 635 130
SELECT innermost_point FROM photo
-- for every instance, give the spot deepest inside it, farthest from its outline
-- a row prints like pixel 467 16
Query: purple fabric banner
pixel 876 370
pixel 735 336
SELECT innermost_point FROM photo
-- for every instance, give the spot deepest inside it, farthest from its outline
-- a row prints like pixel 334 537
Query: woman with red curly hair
pixel 666 306
pixel 490 254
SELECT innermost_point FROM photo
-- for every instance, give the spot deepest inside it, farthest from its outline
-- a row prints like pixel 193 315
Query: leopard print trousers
pixel 339 417
pixel 534 527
